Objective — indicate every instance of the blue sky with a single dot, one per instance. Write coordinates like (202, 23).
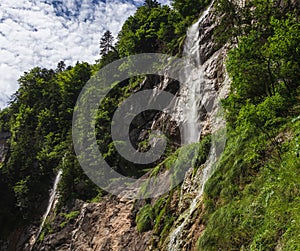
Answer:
(44, 32)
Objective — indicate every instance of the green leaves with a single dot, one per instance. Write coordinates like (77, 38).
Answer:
(284, 50)
(265, 63)
(252, 199)
(248, 69)
(150, 30)
(39, 120)
(145, 218)
(188, 8)
(21, 192)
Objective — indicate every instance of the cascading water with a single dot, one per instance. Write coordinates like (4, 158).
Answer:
(192, 130)
(51, 203)
(194, 81)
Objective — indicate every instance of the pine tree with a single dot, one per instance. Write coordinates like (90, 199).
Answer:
(151, 3)
(106, 43)
(61, 66)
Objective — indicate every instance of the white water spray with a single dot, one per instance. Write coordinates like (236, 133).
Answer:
(192, 129)
(194, 81)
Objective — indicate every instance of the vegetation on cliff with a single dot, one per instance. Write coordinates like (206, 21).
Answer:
(252, 199)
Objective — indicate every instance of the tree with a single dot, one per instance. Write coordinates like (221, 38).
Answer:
(61, 66)
(284, 51)
(189, 7)
(151, 3)
(106, 43)
(149, 30)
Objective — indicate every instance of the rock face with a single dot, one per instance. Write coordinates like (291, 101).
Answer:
(188, 226)
(110, 224)
(107, 225)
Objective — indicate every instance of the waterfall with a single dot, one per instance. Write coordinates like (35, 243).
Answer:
(51, 204)
(175, 236)
(195, 85)
(194, 82)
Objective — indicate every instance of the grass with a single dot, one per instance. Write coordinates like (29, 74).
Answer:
(252, 199)
(68, 217)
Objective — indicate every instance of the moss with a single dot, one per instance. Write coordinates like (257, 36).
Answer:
(156, 216)
(47, 229)
(144, 218)
(68, 217)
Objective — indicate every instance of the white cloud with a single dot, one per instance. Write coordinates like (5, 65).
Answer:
(41, 33)
(33, 34)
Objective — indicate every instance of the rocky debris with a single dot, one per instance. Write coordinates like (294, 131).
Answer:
(189, 188)
(107, 225)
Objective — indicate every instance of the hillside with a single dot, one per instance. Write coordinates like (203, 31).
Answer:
(224, 93)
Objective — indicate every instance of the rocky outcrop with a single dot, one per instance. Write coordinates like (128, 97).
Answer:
(107, 225)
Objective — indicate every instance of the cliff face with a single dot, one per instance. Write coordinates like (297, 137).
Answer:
(110, 224)
(107, 225)
(4, 136)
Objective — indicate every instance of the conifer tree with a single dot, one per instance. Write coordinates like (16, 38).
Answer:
(151, 3)
(106, 43)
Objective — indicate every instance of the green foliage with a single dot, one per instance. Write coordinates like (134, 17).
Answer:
(39, 120)
(152, 29)
(47, 229)
(144, 218)
(258, 214)
(237, 19)
(228, 17)
(204, 148)
(106, 43)
(151, 3)
(264, 64)
(156, 28)
(190, 8)
(68, 217)
(4, 120)
(249, 69)
(284, 50)
(74, 182)
(252, 199)
(157, 216)
(164, 216)
(40, 115)
(21, 193)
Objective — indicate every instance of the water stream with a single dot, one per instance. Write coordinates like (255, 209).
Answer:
(194, 82)
(51, 204)
(192, 130)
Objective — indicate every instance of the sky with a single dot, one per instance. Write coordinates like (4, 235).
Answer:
(44, 32)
